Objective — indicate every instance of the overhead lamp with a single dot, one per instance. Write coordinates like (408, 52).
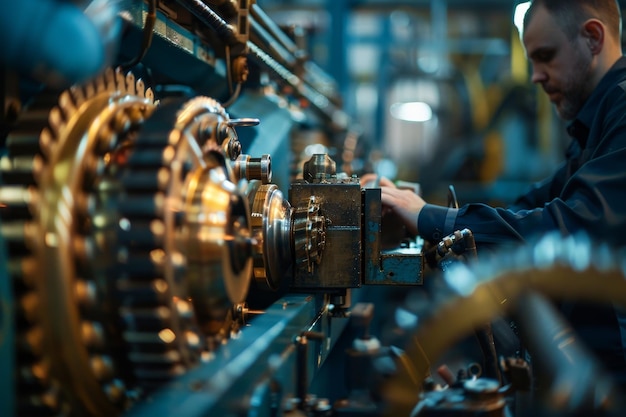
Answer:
(414, 111)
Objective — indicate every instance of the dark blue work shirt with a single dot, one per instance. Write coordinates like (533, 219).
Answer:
(586, 193)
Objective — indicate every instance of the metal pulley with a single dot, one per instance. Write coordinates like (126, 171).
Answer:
(271, 220)
(249, 168)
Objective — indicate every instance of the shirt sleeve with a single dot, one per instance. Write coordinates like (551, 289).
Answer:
(592, 199)
(540, 192)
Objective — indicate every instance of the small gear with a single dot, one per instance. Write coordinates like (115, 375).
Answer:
(309, 234)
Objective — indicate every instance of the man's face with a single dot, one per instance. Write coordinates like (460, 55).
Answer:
(562, 66)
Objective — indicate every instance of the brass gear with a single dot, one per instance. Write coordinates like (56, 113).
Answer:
(129, 247)
(184, 230)
(213, 129)
(50, 182)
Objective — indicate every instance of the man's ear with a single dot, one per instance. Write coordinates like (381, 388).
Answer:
(593, 31)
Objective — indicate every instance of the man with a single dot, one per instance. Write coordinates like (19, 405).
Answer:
(574, 47)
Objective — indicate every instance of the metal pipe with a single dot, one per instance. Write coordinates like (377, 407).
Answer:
(273, 29)
(289, 53)
(260, 36)
(318, 100)
(210, 18)
(223, 29)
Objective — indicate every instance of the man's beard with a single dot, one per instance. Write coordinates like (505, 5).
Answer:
(576, 89)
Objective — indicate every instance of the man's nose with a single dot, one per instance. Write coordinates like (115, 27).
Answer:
(538, 76)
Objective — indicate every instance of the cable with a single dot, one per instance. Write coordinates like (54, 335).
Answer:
(148, 31)
(210, 18)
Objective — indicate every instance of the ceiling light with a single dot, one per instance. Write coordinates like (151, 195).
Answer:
(416, 111)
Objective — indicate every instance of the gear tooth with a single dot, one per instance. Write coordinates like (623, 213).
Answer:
(35, 373)
(130, 83)
(90, 89)
(38, 168)
(29, 307)
(109, 79)
(100, 84)
(102, 367)
(46, 142)
(55, 121)
(78, 93)
(66, 103)
(209, 104)
(141, 88)
(149, 94)
(86, 293)
(120, 79)
(50, 400)
(28, 271)
(93, 334)
(31, 341)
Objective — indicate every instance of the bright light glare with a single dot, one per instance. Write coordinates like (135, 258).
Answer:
(460, 278)
(416, 111)
(518, 16)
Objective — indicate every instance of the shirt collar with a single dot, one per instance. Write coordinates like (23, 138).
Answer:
(579, 127)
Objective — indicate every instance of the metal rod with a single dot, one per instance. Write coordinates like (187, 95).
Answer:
(210, 18)
(273, 29)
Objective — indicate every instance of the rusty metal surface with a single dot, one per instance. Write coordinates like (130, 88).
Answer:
(340, 205)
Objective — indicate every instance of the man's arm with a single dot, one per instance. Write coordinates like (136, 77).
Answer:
(540, 192)
(593, 199)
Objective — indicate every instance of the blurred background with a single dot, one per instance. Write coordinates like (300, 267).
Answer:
(439, 89)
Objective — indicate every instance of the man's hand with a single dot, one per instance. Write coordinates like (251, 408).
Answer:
(405, 203)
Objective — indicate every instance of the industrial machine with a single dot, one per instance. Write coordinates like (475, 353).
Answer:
(183, 234)
(143, 246)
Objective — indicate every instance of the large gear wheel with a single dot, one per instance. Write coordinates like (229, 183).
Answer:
(184, 241)
(66, 350)
(129, 244)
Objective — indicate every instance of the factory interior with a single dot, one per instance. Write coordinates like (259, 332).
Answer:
(184, 231)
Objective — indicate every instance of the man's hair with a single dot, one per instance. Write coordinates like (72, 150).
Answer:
(570, 14)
